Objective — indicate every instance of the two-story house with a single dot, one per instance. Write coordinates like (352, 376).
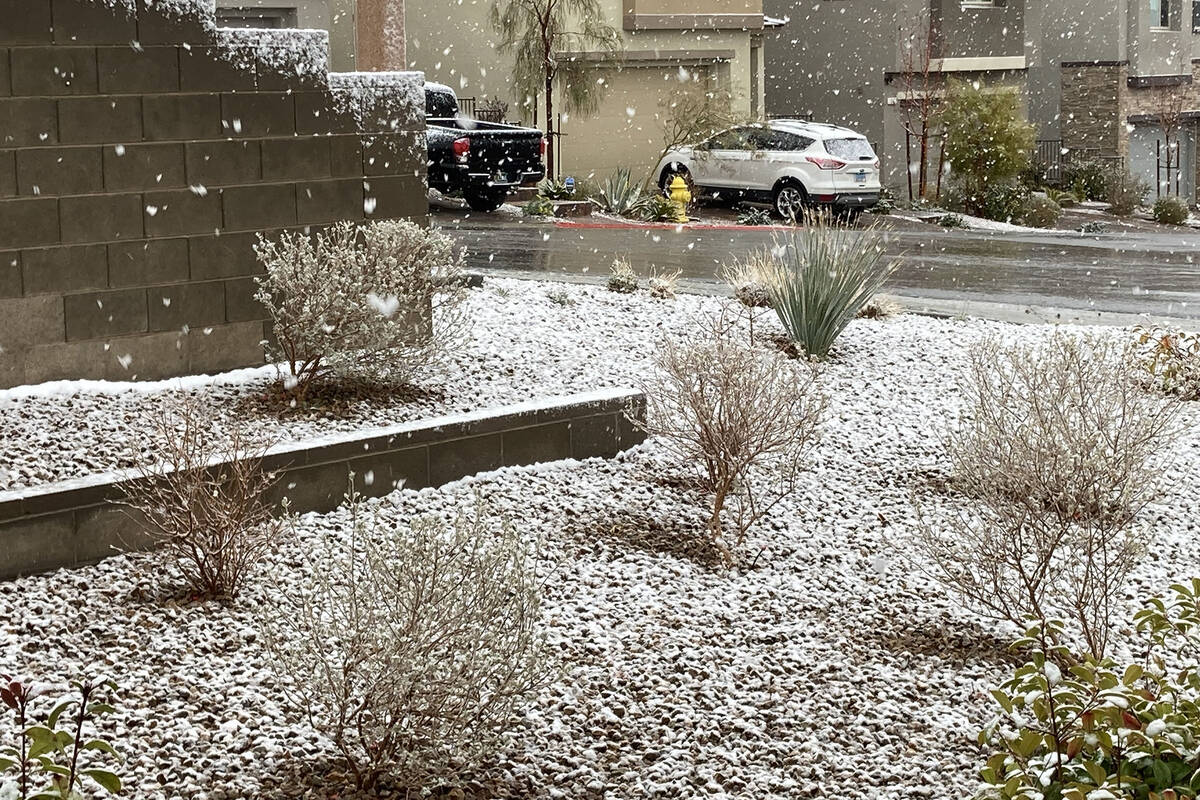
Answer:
(1099, 77)
(670, 47)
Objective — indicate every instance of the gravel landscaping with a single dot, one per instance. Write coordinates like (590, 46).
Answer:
(817, 667)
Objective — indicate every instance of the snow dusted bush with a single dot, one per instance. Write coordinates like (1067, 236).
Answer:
(1172, 361)
(1171, 210)
(1088, 728)
(204, 498)
(818, 281)
(622, 279)
(55, 751)
(662, 284)
(1058, 450)
(879, 308)
(1124, 192)
(746, 280)
(734, 410)
(380, 302)
(414, 648)
(1041, 212)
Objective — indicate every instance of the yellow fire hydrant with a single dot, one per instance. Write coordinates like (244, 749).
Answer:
(680, 196)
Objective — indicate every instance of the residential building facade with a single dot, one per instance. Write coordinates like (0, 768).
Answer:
(1098, 77)
(670, 47)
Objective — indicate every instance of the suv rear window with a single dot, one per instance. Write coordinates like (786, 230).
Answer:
(850, 149)
(440, 105)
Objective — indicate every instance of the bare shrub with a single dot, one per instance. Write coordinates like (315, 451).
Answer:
(381, 302)
(879, 307)
(662, 284)
(733, 410)
(622, 279)
(204, 497)
(745, 278)
(1058, 450)
(414, 649)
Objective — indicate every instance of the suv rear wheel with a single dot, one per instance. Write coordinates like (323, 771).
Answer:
(790, 200)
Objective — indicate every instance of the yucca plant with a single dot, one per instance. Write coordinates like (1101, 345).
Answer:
(619, 194)
(818, 280)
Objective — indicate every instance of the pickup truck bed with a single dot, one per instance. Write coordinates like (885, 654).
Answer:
(485, 161)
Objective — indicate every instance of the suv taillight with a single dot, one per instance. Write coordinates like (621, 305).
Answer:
(825, 162)
(462, 149)
(876, 164)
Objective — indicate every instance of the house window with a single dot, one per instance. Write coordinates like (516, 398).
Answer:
(256, 17)
(1195, 16)
(1160, 13)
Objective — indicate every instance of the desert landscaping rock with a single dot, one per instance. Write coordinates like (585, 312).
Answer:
(821, 665)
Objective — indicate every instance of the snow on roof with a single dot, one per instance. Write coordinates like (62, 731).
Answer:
(816, 128)
(775, 22)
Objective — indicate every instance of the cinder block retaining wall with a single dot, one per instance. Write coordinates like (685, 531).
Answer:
(76, 522)
(140, 153)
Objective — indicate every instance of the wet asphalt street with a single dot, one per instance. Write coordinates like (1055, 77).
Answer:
(1156, 275)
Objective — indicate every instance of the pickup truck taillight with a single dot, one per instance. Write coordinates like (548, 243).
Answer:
(543, 147)
(462, 149)
(826, 163)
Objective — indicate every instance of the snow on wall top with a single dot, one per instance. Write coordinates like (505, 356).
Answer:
(393, 96)
(298, 51)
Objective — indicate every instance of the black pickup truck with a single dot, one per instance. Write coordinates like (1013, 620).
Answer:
(484, 161)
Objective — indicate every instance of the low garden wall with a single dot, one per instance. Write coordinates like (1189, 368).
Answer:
(79, 521)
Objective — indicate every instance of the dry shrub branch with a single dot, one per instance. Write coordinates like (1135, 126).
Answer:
(205, 497)
(734, 410)
(1058, 450)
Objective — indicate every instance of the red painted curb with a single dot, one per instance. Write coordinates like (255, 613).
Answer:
(689, 226)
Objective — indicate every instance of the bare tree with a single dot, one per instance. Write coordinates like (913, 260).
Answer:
(691, 117)
(1058, 450)
(734, 410)
(920, 80)
(205, 497)
(1169, 102)
(550, 40)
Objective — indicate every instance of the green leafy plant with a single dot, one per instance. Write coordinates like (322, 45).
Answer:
(1003, 201)
(1063, 198)
(57, 753)
(753, 215)
(622, 279)
(987, 139)
(1041, 212)
(656, 208)
(554, 190)
(538, 207)
(1124, 192)
(1172, 361)
(1083, 728)
(952, 221)
(886, 204)
(817, 282)
(1171, 210)
(1088, 179)
(1092, 227)
(619, 194)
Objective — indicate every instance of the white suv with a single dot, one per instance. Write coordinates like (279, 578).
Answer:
(790, 163)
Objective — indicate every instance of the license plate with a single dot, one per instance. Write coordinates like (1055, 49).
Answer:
(860, 177)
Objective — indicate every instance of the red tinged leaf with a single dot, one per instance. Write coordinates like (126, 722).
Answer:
(1130, 721)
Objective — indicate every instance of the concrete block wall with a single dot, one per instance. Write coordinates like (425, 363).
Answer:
(141, 152)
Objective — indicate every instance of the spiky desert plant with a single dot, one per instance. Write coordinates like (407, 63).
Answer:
(819, 279)
(619, 194)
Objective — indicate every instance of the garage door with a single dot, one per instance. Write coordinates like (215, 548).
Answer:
(627, 129)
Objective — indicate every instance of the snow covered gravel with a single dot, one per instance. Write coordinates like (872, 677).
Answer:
(817, 669)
